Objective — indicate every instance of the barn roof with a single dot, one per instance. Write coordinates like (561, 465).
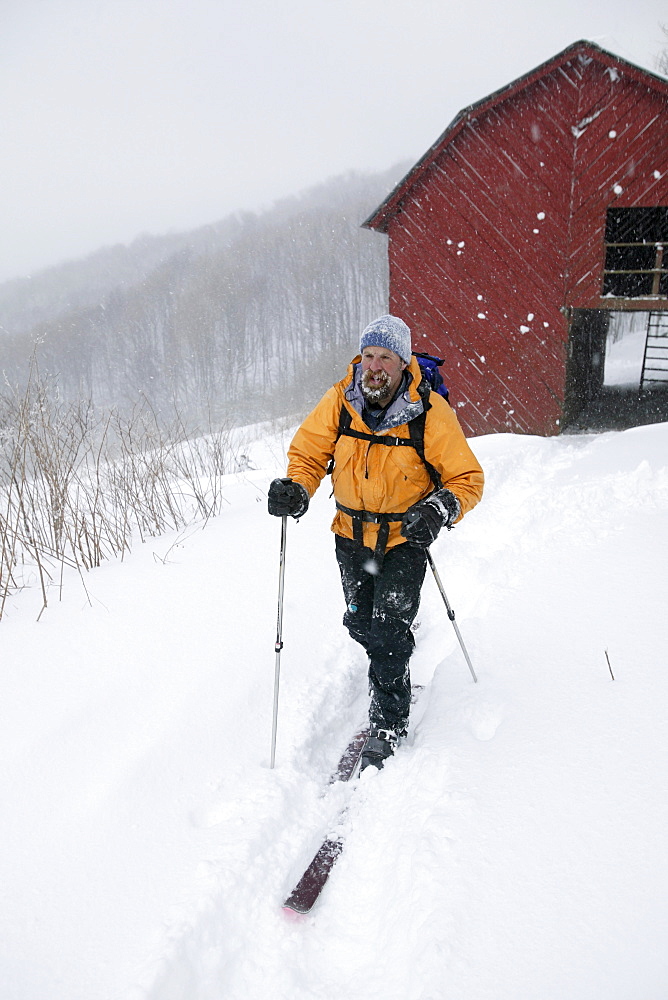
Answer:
(381, 217)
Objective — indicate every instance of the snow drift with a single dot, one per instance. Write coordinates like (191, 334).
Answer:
(514, 849)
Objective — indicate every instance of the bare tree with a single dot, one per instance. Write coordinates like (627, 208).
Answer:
(249, 319)
(662, 58)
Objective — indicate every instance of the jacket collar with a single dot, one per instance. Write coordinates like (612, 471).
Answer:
(404, 407)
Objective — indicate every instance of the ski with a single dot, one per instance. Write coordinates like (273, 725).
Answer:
(305, 894)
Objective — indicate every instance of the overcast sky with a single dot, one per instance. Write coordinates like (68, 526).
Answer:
(119, 117)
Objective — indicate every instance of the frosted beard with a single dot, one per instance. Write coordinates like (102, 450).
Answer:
(376, 387)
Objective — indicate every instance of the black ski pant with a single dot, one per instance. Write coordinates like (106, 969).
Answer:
(380, 608)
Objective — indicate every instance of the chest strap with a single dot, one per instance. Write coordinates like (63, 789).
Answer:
(387, 439)
(415, 440)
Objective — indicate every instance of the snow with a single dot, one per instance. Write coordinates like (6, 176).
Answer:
(625, 348)
(514, 849)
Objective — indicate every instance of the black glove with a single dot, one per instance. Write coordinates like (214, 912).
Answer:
(422, 522)
(287, 497)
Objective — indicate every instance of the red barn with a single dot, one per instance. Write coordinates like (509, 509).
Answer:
(527, 248)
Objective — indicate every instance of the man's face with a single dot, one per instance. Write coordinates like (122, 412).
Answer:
(381, 373)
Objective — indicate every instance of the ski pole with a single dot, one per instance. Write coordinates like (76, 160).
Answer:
(279, 636)
(451, 614)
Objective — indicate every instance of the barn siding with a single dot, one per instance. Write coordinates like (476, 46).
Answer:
(629, 160)
(470, 259)
(487, 189)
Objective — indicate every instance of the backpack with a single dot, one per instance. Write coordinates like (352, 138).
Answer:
(429, 366)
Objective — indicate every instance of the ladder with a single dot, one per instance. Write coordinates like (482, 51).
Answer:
(655, 359)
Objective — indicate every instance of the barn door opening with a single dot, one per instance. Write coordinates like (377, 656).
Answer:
(617, 374)
(625, 347)
(636, 350)
(586, 358)
(655, 361)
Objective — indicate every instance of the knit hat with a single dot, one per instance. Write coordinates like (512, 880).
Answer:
(390, 332)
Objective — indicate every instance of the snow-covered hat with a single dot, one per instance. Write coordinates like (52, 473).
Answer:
(390, 332)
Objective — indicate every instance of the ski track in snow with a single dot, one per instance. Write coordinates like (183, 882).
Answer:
(512, 850)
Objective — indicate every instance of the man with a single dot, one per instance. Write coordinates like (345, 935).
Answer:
(391, 500)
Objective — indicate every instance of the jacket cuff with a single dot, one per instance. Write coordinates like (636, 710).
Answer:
(448, 504)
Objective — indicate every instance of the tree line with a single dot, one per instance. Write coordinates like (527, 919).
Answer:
(248, 319)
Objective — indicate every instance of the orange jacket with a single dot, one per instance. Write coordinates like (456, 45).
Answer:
(382, 479)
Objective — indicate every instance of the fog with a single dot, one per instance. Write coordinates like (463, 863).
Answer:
(121, 117)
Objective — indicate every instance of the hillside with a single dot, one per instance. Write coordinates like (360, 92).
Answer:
(43, 298)
(241, 320)
(513, 850)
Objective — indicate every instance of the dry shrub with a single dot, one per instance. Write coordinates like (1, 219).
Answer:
(77, 485)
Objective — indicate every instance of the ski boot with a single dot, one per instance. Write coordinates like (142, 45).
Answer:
(380, 745)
